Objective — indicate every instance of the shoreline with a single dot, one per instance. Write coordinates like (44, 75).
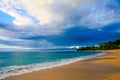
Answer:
(81, 70)
(20, 70)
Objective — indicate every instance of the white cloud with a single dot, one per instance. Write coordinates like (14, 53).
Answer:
(45, 44)
(46, 12)
(73, 47)
(22, 21)
(12, 47)
(14, 38)
(39, 9)
(8, 33)
(13, 9)
(53, 17)
(46, 17)
(100, 18)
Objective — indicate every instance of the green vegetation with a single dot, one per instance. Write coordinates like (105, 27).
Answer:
(105, 46)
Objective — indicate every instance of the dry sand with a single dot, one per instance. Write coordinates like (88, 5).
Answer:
(106, 67)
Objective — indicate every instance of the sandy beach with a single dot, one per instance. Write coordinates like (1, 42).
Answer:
(105, 67)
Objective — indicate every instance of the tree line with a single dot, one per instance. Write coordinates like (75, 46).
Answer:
(105, 46)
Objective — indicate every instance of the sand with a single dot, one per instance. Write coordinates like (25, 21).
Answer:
(106, 67)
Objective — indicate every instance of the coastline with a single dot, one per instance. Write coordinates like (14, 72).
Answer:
(97, 68)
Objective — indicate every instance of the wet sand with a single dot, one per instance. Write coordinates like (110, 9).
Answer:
(105, 67)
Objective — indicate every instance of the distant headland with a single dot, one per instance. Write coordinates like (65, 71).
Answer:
(104, 46)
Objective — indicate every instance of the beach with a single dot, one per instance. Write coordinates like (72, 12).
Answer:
(105, 67)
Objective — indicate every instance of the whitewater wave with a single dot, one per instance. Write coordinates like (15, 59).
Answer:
(18, 70)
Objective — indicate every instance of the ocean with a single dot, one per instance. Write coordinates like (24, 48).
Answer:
(16, 63)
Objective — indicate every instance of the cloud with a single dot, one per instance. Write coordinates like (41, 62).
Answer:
(73, 47)
(46, 18)
(52, 17)
(2, 46)
(100, 19)
(15, 39)
(101, 16)
(45, 43)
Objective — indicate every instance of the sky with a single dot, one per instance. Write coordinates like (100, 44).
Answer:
(51, 24)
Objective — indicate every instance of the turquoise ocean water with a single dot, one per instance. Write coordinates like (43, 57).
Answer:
(16, 63)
